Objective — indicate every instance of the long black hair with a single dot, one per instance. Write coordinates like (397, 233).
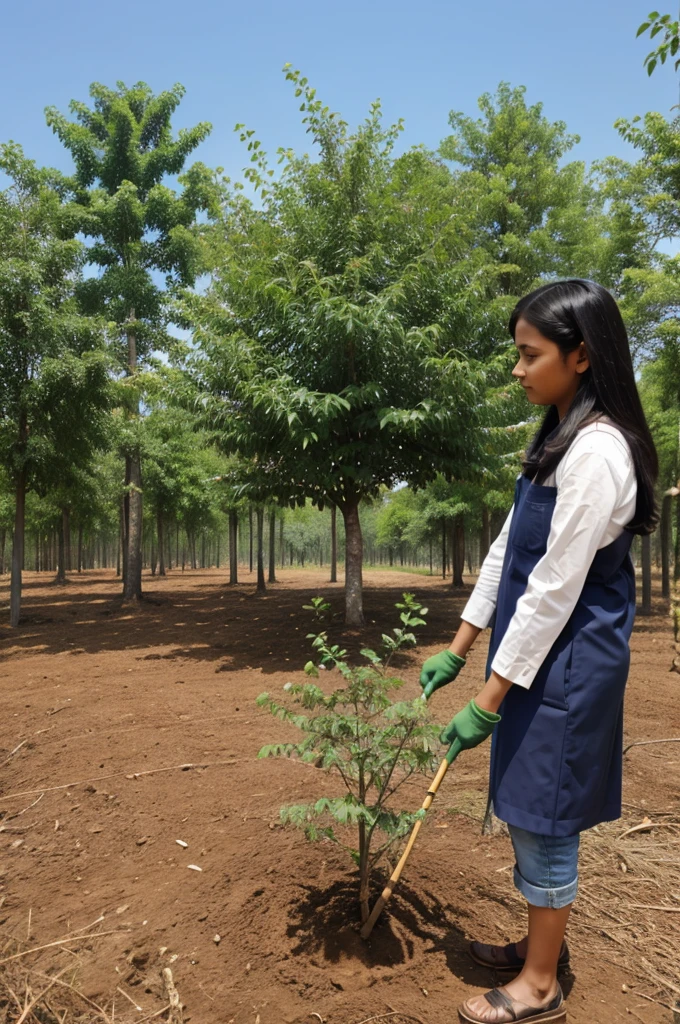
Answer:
(570, 312)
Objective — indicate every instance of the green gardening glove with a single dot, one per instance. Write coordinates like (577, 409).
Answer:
(439, 670)
(470, 726)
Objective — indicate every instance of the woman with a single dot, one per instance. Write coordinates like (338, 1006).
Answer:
(558, 589)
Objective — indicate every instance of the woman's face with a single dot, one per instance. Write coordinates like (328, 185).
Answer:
(547, 378)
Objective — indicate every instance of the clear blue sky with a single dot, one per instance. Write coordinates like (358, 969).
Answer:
(580, 59)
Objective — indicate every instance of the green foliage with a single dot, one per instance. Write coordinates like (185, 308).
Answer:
(358, 734)
(54, 387)
(669, 44)
(123, 148)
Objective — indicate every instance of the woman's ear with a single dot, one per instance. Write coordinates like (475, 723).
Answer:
(582, 362)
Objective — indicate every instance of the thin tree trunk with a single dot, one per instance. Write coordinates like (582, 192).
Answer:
(67, 540)
(443, 549)
(161, 543)
(17, 550)
(261, 586)
(272, 547)
(80, 548)
(282, 548)
(132, 585)
(250, 536)
(233, 546)
(334, 545)
(354, 612)
(666, 530)
(646, 560)
(61, 545)
(3, 536)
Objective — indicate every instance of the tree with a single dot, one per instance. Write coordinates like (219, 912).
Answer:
(123, 148)
(360, 735)
(54, 386)
(322, 357)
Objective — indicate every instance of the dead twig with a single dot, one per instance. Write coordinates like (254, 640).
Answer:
(8, 759)
(61, 942)
(647, 743)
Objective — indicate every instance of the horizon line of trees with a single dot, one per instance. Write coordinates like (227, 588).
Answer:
(351, 337)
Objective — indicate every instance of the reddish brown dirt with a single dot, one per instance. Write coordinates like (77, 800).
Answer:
(98, 694)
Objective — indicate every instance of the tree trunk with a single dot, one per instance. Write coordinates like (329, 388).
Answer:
(261, 586)
(666, 530)
(443, 549)
(132, 584)
(161, 543)
(458, 551)
(67, 540)
(676, 568)
(354, 612)
(80, 549)
(17, 550)
(272, 547)
(364, 877)
(250, 536)
(334, 545)
(3, 535)
(646, 560)
(233, 548)
(132, 580)
(282, 548)
(61, 545)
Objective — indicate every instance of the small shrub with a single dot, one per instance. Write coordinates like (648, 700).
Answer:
(357, 733)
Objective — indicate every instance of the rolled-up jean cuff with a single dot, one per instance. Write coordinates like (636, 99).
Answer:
(552, 898)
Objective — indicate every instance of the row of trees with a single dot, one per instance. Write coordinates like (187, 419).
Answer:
(351, 336)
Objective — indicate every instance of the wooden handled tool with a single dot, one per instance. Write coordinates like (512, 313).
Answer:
(453, 752)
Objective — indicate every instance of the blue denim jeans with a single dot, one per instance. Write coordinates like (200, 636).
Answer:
(546, 867)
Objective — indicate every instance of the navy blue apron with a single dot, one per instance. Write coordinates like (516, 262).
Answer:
(556, 754)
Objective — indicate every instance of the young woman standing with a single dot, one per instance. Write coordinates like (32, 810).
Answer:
(558, 590)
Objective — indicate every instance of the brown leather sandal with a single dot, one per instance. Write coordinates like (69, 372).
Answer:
(554, 1011)
(506, 958)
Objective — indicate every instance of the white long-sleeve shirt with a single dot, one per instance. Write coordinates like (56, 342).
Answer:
(596, 497)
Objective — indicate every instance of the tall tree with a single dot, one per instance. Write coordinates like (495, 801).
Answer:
(54, 386)
(322, 354)
(123, 148)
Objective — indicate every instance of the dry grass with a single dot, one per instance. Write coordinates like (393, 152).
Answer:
(39, 985)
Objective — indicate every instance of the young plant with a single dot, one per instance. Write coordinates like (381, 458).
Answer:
(357, 733)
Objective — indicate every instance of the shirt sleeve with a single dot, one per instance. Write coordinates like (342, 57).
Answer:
(586, 499)
(482, 602)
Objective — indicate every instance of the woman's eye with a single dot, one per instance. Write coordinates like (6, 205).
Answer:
(528, 356)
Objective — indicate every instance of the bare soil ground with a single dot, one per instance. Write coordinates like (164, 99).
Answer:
(101, 704)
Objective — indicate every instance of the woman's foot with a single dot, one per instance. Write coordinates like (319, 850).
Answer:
(510, 957)
(513, 1002)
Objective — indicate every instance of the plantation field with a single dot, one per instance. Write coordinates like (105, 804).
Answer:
(103, 709)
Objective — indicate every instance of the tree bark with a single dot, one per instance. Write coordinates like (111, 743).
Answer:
(458, 551)
(443, 549)
(3, 535)
(61, 546)
(666, 531)
(272, 547)
(132, 580)
(161, 543)
(250, 536)
(233, 548)
(17, 550)
(132, 584)
(646, 559)
(334, 545)
(354, 612)
(282, 548)
(261, 585)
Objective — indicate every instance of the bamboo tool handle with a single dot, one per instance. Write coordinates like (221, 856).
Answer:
(452, 753)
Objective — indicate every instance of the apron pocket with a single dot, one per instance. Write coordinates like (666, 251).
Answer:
(533, 527)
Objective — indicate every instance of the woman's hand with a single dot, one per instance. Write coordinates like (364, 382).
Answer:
(439, 670)
(470, 727)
